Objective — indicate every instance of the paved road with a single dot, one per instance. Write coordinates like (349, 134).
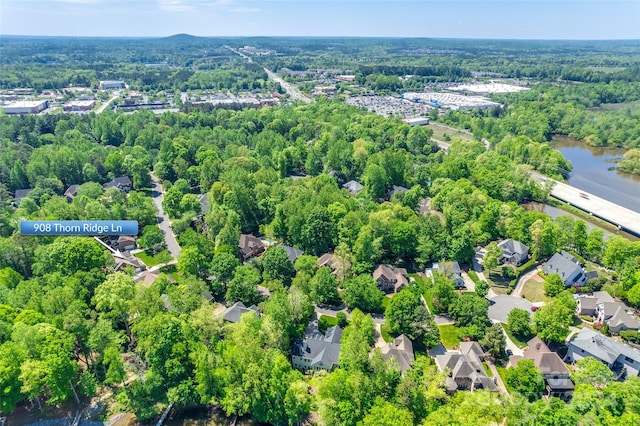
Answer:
(157, 192)
(293, 92)
(107, 103)
(622, 217)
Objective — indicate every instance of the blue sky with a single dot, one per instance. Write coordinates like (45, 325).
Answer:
(512, 19)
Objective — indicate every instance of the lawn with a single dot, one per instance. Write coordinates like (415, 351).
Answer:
(533, 291)
(385, 302)
(384, 332)
(502, 372)
(330, 321)
(163, 257)
(517, 340)
(473, 276)
(500, 290)
(449, 336)
(429, 299)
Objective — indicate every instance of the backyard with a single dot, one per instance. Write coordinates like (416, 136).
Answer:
(449, 336)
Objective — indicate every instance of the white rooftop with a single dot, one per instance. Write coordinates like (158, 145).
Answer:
(489, 88)
(26, 104)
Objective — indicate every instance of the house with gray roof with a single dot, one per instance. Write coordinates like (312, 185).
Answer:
(554, 370)
(19, 195)
(617, 316)
(402, 350)
(353, 187)
(622, 359)
(587, 304)
(449, 269)
(71, 192)
(316, 351)
(234, 313)
(395, 189)
(123, 183)
(567, 267)
(513, 252)
(204, 203)
(465, 368)
(292, 252)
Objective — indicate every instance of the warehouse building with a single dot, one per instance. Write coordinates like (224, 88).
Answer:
(112, 84)
(26, 107)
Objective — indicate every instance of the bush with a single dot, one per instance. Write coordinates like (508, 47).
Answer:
(323, 324)
(508, 272)
(342, 319)
(526, 267)
(631, 336)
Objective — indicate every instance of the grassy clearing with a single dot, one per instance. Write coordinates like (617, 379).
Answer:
(385, 302)
(440, 130)
(163, 257)
(449, 336)
(520, 341)
(473, 276)
(428, 297)
(533, 291)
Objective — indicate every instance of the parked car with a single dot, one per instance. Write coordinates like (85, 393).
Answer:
(509, 352)
(534, 308)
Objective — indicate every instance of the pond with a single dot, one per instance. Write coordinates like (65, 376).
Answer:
(593, 172)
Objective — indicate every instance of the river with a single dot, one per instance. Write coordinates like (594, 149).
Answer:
(591, 172)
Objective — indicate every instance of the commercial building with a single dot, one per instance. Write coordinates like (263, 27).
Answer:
(81, 105)
(112, 84)
(26, 107)
(416, 121)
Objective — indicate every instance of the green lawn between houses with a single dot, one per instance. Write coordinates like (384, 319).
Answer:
(449, 336)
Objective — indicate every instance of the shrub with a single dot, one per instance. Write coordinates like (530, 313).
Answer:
(342, 319)
(630, 336)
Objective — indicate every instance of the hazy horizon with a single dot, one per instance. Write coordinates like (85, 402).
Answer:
(590, 20)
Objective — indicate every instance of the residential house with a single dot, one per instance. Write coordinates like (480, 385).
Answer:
(330, 260)
(587, 305)
(389, 278)
(204, 203)
(395, 189)
(617, 316)
(402, 350)
(235, 312)
(292, 252)
(146, 278)
(555, 372)
(353, 187)
(19, 195)
(123, 260)
(465, 368)
(567, 267)
(449, 269)
(513, 252)
(250, 246)
(316, 351)
(123, 183)
(71, 192)
(126, 242)
(622, 359)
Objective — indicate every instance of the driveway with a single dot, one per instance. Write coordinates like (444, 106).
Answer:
(517, 291)
(502, 305)
(157, 192)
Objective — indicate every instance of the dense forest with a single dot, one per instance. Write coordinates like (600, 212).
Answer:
(70, 326)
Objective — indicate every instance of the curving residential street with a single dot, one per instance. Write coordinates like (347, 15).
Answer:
(157, 192)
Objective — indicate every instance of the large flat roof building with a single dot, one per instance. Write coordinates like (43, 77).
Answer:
(112, 84)
(26, 107)
(80, 105)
